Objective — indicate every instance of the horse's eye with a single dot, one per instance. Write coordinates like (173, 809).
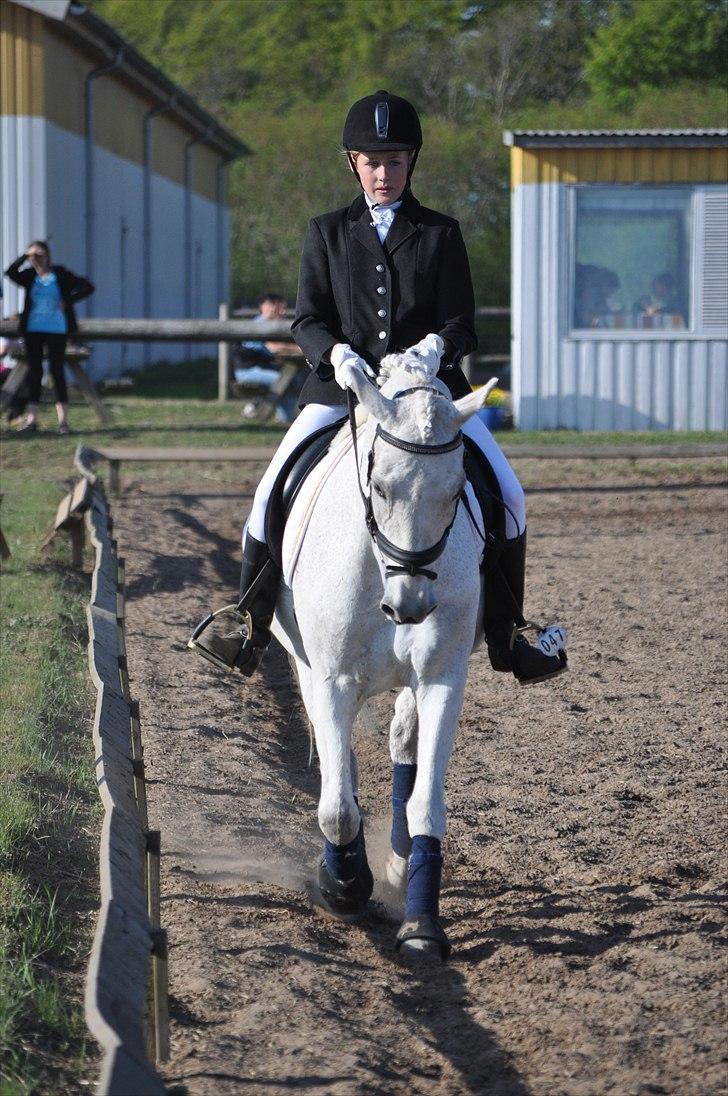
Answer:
(378, 490)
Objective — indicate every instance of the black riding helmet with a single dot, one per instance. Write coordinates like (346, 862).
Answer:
(382, 122)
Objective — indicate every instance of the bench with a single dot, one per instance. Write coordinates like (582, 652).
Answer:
(676, 451)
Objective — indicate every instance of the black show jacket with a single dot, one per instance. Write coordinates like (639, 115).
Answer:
(72, 287)
(382, 298)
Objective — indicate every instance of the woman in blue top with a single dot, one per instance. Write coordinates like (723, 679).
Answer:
(46, 321)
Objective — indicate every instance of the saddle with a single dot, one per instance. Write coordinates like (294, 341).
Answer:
(313, 450)
(484, 482)
(289, 482)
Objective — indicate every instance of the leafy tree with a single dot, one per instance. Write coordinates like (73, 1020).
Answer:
(656, 43)
(282, 74)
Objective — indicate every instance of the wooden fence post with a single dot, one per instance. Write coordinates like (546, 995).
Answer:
(223, 362)
(160, 986)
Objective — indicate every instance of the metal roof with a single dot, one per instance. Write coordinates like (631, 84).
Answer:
(616, 138)
(94, 35)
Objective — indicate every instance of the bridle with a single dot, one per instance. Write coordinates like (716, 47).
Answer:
(407, 562)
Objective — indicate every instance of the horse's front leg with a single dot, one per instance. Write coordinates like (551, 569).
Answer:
(345, 879)
(438, 709)
(403, 751)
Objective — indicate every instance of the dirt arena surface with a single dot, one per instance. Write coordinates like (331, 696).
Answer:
(584, 881)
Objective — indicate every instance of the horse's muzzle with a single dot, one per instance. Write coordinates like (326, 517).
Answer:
(405, 605)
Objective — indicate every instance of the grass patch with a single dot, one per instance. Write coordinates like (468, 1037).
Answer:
(194, 380)
(49, 809)
(611, 437)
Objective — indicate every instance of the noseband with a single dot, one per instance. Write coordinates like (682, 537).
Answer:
(406, 562)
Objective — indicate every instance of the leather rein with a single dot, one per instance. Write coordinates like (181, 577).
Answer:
(407, 562)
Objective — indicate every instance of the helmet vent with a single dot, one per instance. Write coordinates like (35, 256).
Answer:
(381, 120)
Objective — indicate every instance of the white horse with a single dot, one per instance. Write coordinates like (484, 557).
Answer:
(392, 603)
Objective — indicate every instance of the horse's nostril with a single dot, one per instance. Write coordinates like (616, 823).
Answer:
(387, 610)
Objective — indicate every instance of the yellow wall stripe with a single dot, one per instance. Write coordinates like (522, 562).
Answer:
(21, 61)
(619, 165)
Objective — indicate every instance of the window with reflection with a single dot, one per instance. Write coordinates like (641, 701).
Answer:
(632, 268)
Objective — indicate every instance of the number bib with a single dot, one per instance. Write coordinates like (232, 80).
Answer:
(552, 639)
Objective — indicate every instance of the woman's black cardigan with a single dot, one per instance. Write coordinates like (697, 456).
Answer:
(72, 288)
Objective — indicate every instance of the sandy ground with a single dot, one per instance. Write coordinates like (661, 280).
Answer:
(583, 887)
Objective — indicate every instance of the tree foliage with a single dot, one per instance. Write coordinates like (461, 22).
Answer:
(282, 74)
(656, 43)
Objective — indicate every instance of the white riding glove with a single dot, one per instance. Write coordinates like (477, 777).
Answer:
(347, 364)
(430, 351)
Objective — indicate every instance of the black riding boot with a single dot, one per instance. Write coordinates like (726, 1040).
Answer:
(508, 649)
(237, 649)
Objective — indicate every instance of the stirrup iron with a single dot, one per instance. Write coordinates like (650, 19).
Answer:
(240, 620)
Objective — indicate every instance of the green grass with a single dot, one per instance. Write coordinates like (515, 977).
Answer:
(611, 437)
(49, 810)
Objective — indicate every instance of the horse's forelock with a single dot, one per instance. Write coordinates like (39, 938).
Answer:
(428, 415)
(411, 367)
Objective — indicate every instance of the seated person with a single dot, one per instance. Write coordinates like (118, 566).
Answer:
(664, 296)
(271, 307)
(594, 286)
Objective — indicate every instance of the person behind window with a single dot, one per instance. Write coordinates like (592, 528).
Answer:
(593, 288)
(47, 319)
(664, 295)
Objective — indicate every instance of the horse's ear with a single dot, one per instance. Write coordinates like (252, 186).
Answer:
(469, 405)
(371, 398)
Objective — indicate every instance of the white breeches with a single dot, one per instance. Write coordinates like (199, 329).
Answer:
(316, 415)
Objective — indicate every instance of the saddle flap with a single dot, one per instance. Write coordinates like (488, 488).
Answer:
(484, 482)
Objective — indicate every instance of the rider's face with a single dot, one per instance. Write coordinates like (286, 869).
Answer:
(383, 174)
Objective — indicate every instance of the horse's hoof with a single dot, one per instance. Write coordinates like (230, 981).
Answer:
(423, 937)
(428, 951)
(346, 897)
(396, 871)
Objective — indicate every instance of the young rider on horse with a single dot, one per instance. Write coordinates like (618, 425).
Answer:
(378, 276)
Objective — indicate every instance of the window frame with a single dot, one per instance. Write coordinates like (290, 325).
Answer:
(695, 288)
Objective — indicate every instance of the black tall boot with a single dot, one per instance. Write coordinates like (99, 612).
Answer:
(259, 581)
(508, 649)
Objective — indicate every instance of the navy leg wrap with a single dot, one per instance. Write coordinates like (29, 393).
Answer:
(403, 781)
(424, 871)
(344, 862)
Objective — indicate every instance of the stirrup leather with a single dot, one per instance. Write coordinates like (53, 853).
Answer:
(213, 647)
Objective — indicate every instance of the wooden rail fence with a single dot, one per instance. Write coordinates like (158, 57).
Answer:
(116, 455)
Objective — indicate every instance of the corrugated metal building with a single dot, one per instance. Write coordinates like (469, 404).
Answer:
(620, 279)
(117, 167)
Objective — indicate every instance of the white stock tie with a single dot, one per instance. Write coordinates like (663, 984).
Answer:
(382, 216)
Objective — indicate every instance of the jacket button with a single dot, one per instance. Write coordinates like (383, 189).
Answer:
(382, 334)
(381, 290)
(380, 268)
(382, 313)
